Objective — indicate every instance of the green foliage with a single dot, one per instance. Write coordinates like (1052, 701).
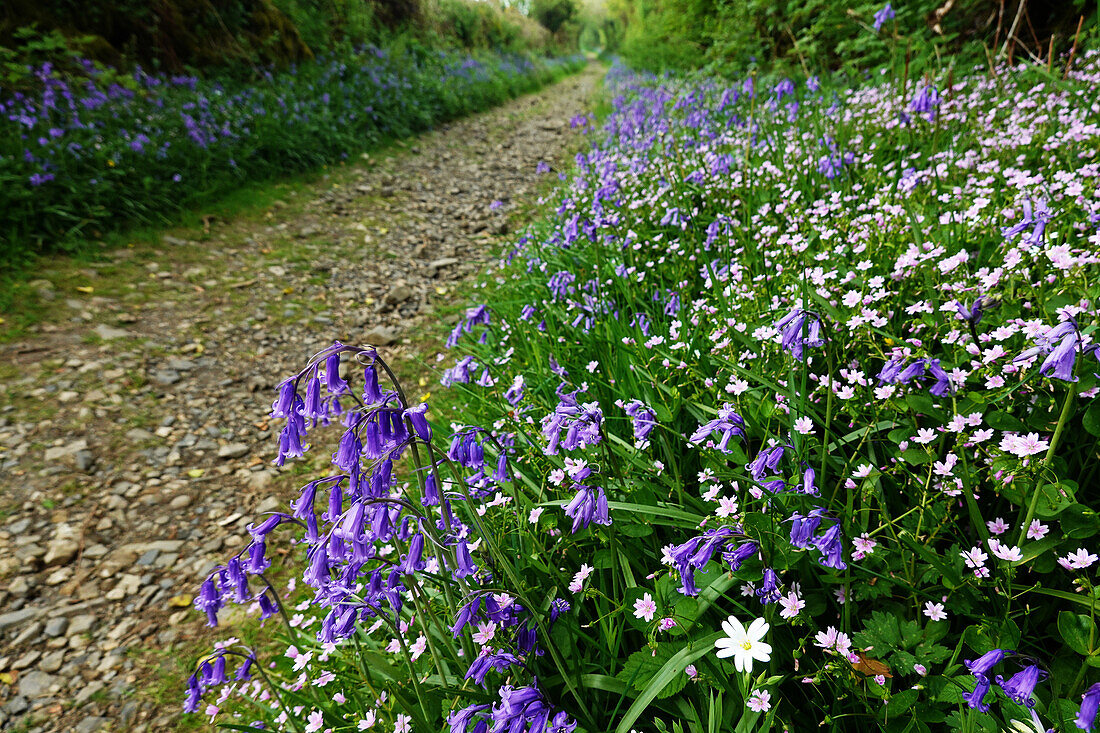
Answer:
(553, 14)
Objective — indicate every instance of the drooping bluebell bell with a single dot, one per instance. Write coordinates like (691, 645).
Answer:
(580, 423)
(768, 592)
(799, 329)
(738, 555)
(209, 601)
(976, 698)
(419, 422)
(1090, 704)
(884, 14)
(728, 424)
(803, 527)
(831, 547)
(466, 564)
(588, 505)
(926, 101)
(489, 661)
(643, 418)
(981, 666)
(1059, 362)
(1021, 685)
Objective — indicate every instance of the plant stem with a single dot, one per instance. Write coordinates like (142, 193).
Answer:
(1067, 409)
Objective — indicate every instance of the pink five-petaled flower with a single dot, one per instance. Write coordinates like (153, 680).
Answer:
(1037, 530)
(934, 611)
(1005, 552)
(998, 526)
(315, 720)
(1023, 446)
(744, 644)
(645, 608)
(791, 604)
(1078, 560)
(759, 701)
(803, 426)
(403, 724)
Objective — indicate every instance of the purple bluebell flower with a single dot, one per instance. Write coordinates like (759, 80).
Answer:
(728, 424)
(644, 419)
(976, 699)
(925, 101)
(799, 329)
(768, 592)
(558, 607)
(883, 15)
(1021, 685)
(803, 527)
(587, 506)
(737, 556)
(209, 601)
(981, 666)
(420, 422)
(831, 547)
(466, 564)
(1059, 363)
(1090, 703)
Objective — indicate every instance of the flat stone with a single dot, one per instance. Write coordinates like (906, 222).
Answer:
(52, 661)
(56, 626)
(381, 336)
(81, 624)
(166, 377)
(174, 241)
(138, 434)
(91, 724)
(180, 364)
(442, 262)
(109, 333)
(233, 450)
(36, 684)
(180, 502)
(61, 452)
(27, 659)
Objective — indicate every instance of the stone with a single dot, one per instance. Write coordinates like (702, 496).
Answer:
(84, 461)
(174, 241)
(442, 262)
(398, 295)
(56, 626)
(260, 480)
(63, 452)
(91, 724)
(35, 684)
(63, 547)
(27, 659)
(52, 661)
(165, 377)
(109, 333)
(180, 502)
(138, 434)
(81, 624)
(19, 587)
(233, 450)
(381, 336)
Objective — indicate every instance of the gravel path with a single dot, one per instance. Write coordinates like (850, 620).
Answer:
(134, 441)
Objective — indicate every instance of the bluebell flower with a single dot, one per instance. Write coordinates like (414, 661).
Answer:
(768, 592)
(1021, 686)
(466, 564)
(976, 699)
(420, 422)
(981, 666)
(799, 329)
(209, 601)
(1090, 703)
(803, 527)
(925, 101)
(831, 547)
(736, 557)
(728, 424)
(883, 15)
(588, 505)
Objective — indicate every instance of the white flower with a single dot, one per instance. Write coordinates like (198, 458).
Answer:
(744, 645)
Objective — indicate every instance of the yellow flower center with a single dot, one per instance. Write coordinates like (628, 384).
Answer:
(746, 644)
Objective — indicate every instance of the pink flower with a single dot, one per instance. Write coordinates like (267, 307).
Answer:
(1037, 530)
(315, 720)
(759, 701)
(666, 623)
(1078, 560)
(578, 580)
(803, 426)
(791, 604)
(934, 611)
(998, 526)
(645, 608)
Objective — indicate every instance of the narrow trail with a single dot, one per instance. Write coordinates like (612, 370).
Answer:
(134, 440)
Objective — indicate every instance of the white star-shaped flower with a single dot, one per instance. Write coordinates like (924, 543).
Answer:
(744, 645)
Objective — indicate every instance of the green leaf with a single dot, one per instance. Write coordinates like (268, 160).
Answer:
(1091, 419)
(673, 667)
(902, 703)
(1078, 631)
(1079, 521)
